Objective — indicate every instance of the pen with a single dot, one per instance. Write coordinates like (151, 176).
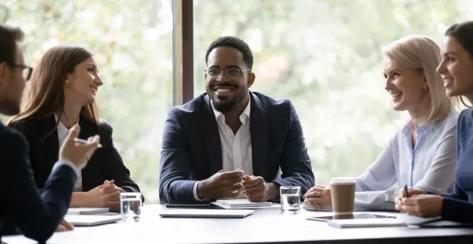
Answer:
(82, 141)
(405, 193)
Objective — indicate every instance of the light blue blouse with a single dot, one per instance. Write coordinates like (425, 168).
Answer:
(430, 166)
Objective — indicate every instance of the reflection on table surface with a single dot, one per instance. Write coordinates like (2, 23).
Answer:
(265, 225)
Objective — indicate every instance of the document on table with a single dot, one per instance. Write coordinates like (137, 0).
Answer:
(360, 219)
(414, 220)
(85, 211)
(244, 204)
(205, 213)
(92, 220)
(356, 223)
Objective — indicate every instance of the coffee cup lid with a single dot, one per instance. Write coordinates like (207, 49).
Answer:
(342, 180)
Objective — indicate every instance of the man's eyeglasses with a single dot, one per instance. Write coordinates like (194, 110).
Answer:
(230, 72)
(26, 71)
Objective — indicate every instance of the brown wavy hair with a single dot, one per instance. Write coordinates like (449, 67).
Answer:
(46, 95)
(463, 34)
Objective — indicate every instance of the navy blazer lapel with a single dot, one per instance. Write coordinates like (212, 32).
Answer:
(87, 128)
(259, 138)
(212, 137)
(50, 141)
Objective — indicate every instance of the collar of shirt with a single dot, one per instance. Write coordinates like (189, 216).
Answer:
(421, 130)
(62, 131)
(236, 146)
(244, 116)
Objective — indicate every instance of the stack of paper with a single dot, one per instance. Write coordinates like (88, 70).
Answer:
(91, 216)
(414, 220)
(353, 223)
(205, 213)
(85, 211)
(92, 220)
(243, 204)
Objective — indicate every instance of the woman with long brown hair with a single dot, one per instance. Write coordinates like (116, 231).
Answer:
(62, 94)
(456, 70)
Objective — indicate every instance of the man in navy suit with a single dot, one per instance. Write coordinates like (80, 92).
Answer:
(230, 142)
(36, 214)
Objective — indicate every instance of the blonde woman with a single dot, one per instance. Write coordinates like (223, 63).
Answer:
(420, 155)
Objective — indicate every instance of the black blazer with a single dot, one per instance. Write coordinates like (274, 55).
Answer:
(36, 214)
(105, 163)
(191, 148)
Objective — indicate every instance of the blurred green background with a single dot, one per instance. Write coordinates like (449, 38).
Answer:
(324, 55)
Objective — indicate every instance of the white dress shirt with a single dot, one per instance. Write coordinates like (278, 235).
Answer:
(236, 147)
(430, 166)
(62, 132)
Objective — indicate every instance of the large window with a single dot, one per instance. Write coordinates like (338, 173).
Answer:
(326, 57)
(323, 55)
(132, 43)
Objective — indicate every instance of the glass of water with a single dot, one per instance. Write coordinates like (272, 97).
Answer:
(290, 199)
(130, 206)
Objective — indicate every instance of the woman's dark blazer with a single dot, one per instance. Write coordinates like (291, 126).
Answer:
(105, 163)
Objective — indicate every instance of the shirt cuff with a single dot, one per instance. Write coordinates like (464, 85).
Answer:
(196, 196)
(76, 169)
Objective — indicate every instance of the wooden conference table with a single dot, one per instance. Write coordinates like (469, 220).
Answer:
(265, 225)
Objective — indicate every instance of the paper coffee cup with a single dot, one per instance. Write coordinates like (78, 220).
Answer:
(342, 190)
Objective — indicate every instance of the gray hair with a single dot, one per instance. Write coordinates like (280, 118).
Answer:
(421, 52)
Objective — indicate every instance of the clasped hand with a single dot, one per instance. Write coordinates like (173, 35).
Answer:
(105, 195)
(231, 184)
(419, 204)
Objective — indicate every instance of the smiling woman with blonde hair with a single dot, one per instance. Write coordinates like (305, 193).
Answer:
(62, 94)
(421, 155)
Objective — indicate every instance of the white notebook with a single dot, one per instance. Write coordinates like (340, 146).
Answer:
(91, 220)
(205, 213)
(243, 204)
(78, 211)
(414, 220)
(356, 223)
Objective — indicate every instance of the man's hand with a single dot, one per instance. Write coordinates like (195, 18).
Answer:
(255, 188)
(64, 226)
(318, 197)
(222, 184)
(423, 205)
(78, 153)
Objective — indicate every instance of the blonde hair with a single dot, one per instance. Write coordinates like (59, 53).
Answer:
(421, 52)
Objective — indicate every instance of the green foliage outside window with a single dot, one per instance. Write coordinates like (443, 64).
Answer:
(326, 57)
(132, 44)
(323, 55)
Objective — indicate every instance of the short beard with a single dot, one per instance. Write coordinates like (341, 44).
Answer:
(224, 107)
(227, 106)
